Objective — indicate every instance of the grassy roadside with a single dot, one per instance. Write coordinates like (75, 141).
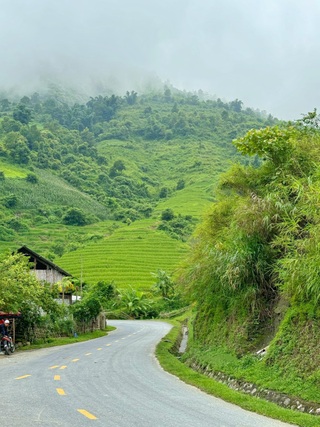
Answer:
(52, 342)
(173, 365)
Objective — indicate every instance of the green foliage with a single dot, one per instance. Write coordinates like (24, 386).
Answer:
(164, 285)
(6, 234)
(74, 216)
(19, 289)
(32, 178)
(135, 304)
(22, 114)
(103, 291)
(87, 309)
(181, 184)
(164, 192)
(177, 227)
(260, 239)
(9, 201)
(167, 215)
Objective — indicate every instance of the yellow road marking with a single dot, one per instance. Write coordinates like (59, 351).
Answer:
(23, 376)
(54, 367)
(63, 367)
(87, 414)
(88, 354)
(56, 377)
(123, 338)
(108, 345)
(75, 360)
(61, 391)
(99, 348)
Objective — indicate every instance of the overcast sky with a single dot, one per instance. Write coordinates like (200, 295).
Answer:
(264, 52)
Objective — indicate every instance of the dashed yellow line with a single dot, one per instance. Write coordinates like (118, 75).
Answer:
(87, 414)
(107, 345)
(88, 354)
(99, 348)
(56, 377)
(54, 367)
(22, 377)
(75, 360)
(63, 367)
(61, 391)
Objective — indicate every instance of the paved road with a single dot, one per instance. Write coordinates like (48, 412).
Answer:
(114, 381)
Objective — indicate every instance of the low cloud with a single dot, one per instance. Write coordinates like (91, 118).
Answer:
(262, 52)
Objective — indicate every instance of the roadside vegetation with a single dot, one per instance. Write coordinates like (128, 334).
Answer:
(169, 359)
(253, 269)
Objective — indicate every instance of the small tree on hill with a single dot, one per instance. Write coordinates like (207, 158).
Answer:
(167, 215)
(74, 216)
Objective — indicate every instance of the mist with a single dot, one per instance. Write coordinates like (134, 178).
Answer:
(262, 52)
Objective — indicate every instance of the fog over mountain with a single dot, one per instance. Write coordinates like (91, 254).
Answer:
(265, 53)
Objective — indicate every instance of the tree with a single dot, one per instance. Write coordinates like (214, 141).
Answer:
(136, 304)
(163, 284)
(87, 309)
(32, 178)
(17, 147)
(117, 168)
(236, 105)
(164, 191)
(131, 97)
(180, 184)
(22, 114)
(74, 216)
(19, 288)
(167, 215)
(9, 201)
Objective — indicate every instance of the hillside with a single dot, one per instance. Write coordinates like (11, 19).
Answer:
(75, 176)
(254, 268)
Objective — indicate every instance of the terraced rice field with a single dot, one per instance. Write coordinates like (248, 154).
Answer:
(127, 257)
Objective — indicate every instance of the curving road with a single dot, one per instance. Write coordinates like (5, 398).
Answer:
(114, 381)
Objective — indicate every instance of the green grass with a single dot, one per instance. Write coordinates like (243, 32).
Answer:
(50, 192)
(172, 364)
(126, 257)
(53, 342)
(12, 171)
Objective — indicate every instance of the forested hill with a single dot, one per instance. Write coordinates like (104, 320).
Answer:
(112, 158)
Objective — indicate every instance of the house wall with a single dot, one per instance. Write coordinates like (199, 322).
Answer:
(50, 276)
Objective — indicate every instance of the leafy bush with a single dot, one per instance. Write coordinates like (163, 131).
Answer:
(74, 216)
(9, 201)
(32, 178)
(6, 234)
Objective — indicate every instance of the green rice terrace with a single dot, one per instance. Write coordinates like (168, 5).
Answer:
(127, 257)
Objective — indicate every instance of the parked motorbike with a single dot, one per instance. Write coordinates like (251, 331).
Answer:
(6, 345)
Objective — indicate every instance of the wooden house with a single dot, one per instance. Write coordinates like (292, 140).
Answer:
(46, 271)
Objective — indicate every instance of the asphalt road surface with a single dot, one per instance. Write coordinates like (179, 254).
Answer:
(114, 381)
